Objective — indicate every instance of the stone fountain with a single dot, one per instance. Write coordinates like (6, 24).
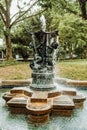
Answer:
(43, 64)
(43, 98)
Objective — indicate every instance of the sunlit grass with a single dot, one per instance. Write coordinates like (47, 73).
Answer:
(18, 71)
(74, 69)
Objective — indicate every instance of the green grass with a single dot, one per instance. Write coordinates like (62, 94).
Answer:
(72, 69)
(15, 70)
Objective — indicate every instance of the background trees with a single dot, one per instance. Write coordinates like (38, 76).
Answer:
(21, 36)
(64, 15)
(72, 28)
(23, 12)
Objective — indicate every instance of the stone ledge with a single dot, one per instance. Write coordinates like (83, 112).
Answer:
(14, 83)
(76, 83)
(17, 83)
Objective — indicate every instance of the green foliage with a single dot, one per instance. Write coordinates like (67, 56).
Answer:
(45, 3)
(79, 51)
(72, 31)
(23, 51)
(21, 39)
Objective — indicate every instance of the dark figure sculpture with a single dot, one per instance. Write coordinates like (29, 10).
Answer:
(44, 45)
(43, 57)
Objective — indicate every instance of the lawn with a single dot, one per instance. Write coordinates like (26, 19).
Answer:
(73, 69)
(15, 70)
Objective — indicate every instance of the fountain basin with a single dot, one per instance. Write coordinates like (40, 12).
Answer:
(63, 106)
(17, 105)
(70, 92)
(38, 105)
(78, 100)
(77, 120)
(39, 110)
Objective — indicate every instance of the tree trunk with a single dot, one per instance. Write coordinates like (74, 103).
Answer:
(70, 54)
(86, 51)
(8, 47)
(83, 8)
(8, 31)
(70, 50)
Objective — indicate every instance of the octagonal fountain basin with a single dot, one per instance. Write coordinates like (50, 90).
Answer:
(40, 105)
(10, 121)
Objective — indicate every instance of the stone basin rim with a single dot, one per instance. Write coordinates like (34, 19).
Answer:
(27, 82)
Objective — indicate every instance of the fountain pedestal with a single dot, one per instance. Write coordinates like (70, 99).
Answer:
(42, 81)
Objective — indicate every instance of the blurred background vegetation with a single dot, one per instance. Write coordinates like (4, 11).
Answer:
(66, 16)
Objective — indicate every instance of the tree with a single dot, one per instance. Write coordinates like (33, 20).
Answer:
(22, 37)
(24, 12)
(67, 6)
(72, 31)
(83, 8)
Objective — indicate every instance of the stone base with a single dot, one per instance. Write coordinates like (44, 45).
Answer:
(62, 112)
(18, 104)
(42, 80)
(7, 96)
(38, 119)
(79, 105)
(40, 104)
(18, 110)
